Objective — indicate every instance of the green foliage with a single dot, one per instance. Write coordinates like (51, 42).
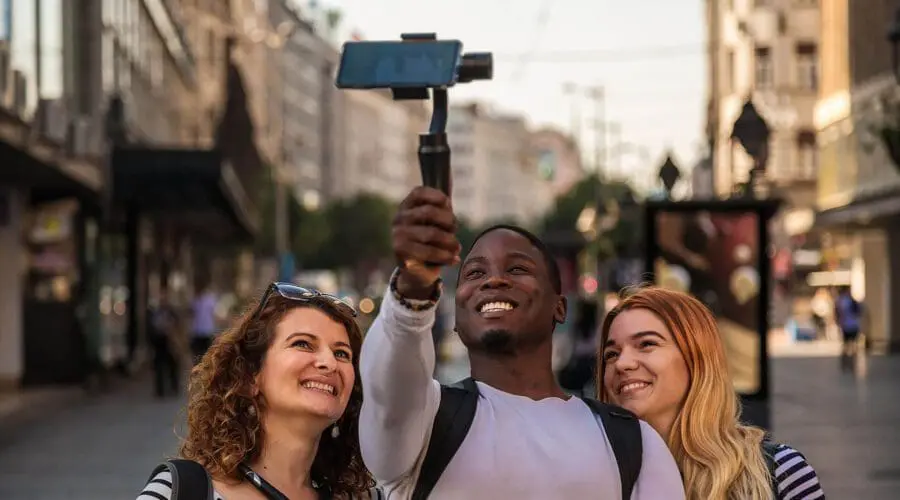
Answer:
(347, 233)
(592, 191)
(310, 234)
(569, 206)
(265, 201)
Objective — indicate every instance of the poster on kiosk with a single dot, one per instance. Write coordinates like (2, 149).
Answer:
(716, 251)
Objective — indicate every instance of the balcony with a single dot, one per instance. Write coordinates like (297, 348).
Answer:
(858, 181)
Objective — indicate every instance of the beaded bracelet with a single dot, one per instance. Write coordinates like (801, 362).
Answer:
(413, 304)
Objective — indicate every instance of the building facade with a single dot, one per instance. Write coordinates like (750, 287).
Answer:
(378, 145)
(51, 191)
(495, 168)
(558, 159)
(115, 173)
(859, 185)
(306, 65)
(767, 50)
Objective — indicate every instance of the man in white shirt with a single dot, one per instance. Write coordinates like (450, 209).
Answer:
(527, 438)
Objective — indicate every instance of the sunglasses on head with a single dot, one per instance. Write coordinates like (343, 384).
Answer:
(293, 292)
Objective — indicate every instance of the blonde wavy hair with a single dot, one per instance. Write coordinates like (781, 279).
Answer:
(719, 457)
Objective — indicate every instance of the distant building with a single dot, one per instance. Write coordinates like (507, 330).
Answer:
(495, 168)
(558, 159)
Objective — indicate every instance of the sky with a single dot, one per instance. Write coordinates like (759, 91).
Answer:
(647, 54)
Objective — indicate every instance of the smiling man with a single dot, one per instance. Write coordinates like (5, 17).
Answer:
(510, 431)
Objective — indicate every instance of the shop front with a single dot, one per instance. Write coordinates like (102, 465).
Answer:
(169, 203)
(862, 238)
(49, 209)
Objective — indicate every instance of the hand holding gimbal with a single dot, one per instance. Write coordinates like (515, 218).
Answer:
(412, 68)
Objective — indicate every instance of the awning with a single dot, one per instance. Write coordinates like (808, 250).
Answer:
(45, 169)
(196, 185)
(862, 213)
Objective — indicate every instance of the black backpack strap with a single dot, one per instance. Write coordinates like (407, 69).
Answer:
(623, 429)
(769, 449)
(451, 424)
(189, 480)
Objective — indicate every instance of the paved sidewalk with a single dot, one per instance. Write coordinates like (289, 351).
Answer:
(847, 425)
(98, 448)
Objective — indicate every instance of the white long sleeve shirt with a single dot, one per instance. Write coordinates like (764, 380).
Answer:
(516, 448)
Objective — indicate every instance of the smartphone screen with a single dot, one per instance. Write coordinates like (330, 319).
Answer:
(371, 65)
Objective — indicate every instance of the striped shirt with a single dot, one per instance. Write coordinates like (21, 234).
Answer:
(795, 478)
(160, 488)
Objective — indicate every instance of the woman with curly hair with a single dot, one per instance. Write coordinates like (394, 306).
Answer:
(661, 357)
(274, 405)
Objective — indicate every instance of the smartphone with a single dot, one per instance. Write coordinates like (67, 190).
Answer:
(390, 64)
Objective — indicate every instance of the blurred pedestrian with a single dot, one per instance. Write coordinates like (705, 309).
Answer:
(204, 327)
(162, 329)
(273, 407)
(509, 431)
(848, 314)
(579, 371)
(663, 359)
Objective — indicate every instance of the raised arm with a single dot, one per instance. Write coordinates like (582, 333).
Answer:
(398, 360)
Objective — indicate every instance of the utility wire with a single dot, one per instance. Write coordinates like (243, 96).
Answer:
(540, 25)
(608, 55)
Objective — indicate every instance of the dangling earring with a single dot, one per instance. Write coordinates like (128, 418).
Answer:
(251, 410)
(335, 431)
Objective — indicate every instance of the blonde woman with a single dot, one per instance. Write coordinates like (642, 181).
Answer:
(662, 358)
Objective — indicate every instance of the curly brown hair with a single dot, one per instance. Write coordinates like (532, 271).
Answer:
(222, 430)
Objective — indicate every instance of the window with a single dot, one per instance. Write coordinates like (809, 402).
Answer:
(157, 63)
(807, 154)
(729, 71)
(807, 66)
(106, 12)
(51, 50)
(5, 18)
(108, 69)
(23, 41)
(123, 69)
(764, 77)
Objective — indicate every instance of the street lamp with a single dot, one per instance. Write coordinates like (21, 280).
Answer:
(893, 36)
(669, 174)
(752, 132)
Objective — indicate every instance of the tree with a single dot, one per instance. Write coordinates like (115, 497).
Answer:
(354, 234)
(310, 234)
(264, 243)
(569, 206)
(593, 192)
(360, 229)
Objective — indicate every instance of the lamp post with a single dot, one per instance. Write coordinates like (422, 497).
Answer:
(752, 132)
(893, 36)
(669, 174)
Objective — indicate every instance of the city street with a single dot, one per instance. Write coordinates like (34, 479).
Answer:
(104, 448)
(100, 448)
(846, 426)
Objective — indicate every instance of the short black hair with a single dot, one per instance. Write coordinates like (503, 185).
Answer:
(549, 260)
